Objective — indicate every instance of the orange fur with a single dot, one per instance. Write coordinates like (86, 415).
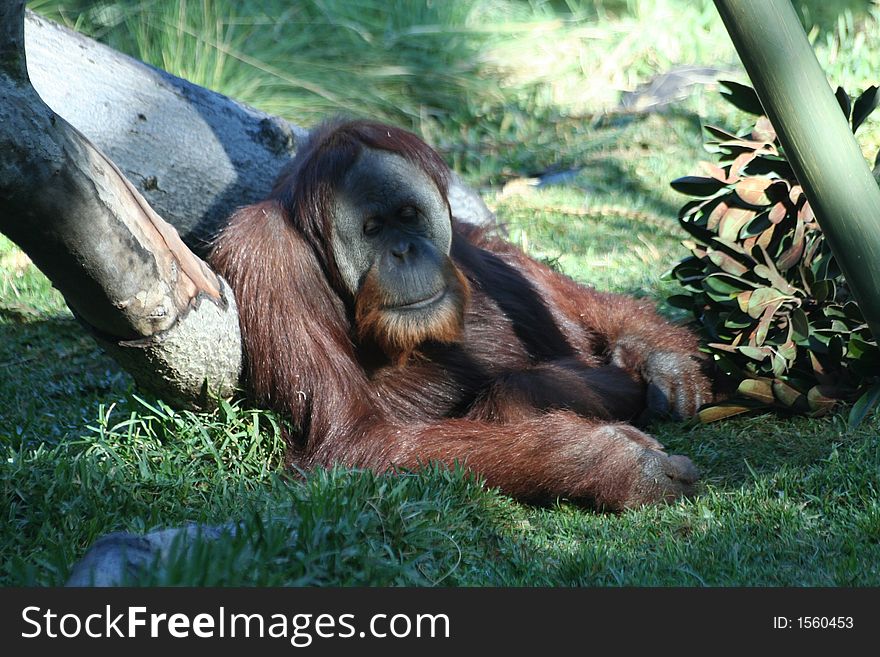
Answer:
(399, 333)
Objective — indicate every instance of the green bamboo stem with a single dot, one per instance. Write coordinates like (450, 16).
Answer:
(817, 139)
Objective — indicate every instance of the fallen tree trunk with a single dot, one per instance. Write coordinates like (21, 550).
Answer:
(193, 154)
(125, 273)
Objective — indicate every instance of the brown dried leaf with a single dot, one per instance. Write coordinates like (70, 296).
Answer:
(719, 133)
(769, 271)
(806, 215)
(755, 353)
(713, 171)
(726, 262)
(819, 401)
(751, 144)
(757, 389)
(732, 222)
(760, 333)
(738, 164)
(777, 213)
(764, 131)
(792, 255)
(765, 238)
(764, 298)
(753, 190)
(715, 216)
(721, 411)
(786, 394)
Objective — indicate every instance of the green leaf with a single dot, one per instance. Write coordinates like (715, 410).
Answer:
(788, 350)
(691, 208)
(835, 348)
(684, 301)
(857, 348)
(760, 224)
(800, 325)
(823, 291)
(731, 248)
(863, 406)
(227, 410)
(864, 105)
(724, 287)
(700, 233)
(764, 286)
(824, 266)
(737, 321)
(867, 366)
(762, 298)
(779, 365)
(817, 343)
(755, 353)
(852, 312)
(742, 97)
(763, 165)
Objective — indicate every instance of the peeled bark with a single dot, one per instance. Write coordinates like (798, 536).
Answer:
(124, 272)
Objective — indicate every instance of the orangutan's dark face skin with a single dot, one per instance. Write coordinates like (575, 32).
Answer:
(391, 239)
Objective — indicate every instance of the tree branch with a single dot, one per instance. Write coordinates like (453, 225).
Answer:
(123, 271)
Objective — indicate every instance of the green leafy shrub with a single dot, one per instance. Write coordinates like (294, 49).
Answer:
(761, 282)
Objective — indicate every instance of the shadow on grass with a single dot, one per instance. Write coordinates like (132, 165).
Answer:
(52, 374)
(735, 452)
(806, 517)
(789, 502)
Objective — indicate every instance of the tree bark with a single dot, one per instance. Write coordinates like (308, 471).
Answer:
(193, 154)
(125, 273)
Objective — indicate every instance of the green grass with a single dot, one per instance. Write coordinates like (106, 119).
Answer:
(785, 502)
(506, 90)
